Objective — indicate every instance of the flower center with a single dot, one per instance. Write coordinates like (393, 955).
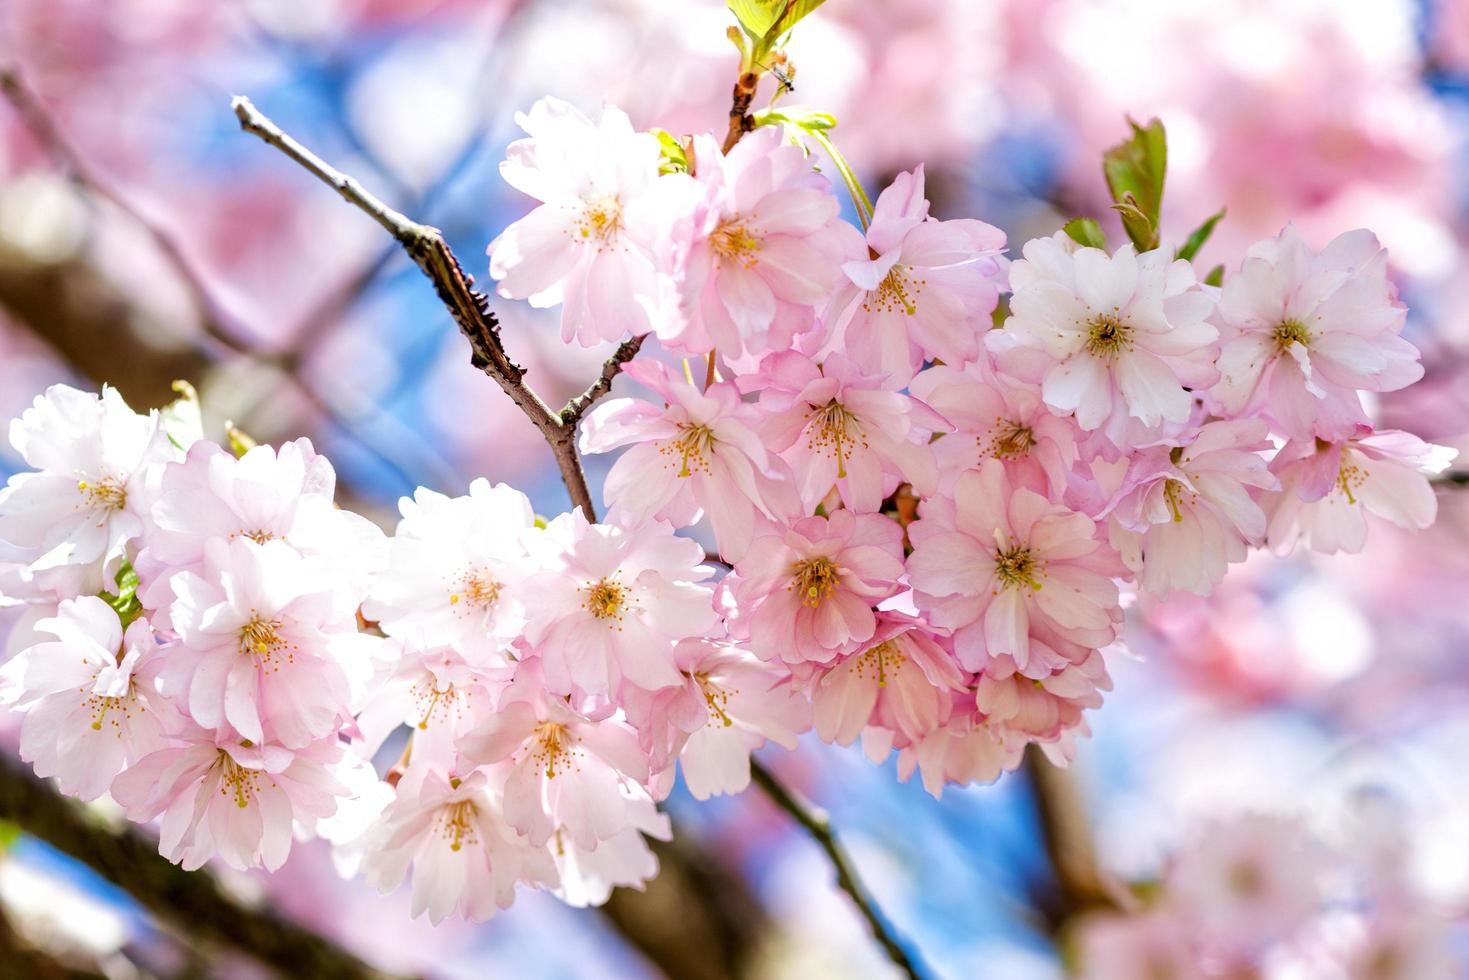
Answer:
(882, 661)
(1246, 879)
(691, 445)
(123, 706)
(429, 698)
(814, 579)
(1015, 566)
(262, 638)
(716, 699)
(1107, 336)
(478, 589)
(105, 494)
(1350, 477)
(606, 598)
(1010, 439)
(549, 747)
(237, 781)
(456, 823)
(1173, 494)
(601, 219)
(895, 294)
(834, 430)
(733, 242)
(1288, 332)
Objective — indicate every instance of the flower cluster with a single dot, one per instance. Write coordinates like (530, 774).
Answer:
(1260, 893)
(928, 519)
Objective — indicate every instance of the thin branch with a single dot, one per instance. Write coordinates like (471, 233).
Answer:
(425, 244)
(1452, 478)
(224, 332)
(740, 120)
(574, 409)
(816, 822)
(189, 900)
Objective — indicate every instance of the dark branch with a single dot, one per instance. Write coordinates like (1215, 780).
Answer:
(816, 823)
(573, 410)
(191, 901)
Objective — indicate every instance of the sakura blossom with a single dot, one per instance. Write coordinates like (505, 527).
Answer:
(1110, 337)
(1304, 332)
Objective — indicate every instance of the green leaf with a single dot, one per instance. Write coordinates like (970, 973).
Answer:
(674, 159)
(757, 17)
(239, 439)
(1199, 236)
(1215, 276)
(1134, 170)
(795, 11)
(802, 117)
(1086, 232)
(125, 599)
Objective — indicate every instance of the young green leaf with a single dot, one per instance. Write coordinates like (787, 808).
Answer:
(1215, 276)
(1199, 236)
(673, 158)
(757, 17)
(1135, 169)
(125, 599)
(1086, 232)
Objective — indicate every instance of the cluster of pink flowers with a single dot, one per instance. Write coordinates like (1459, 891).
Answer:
(928, 524)
(1262, 895)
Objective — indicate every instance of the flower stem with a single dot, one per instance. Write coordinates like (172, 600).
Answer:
(860, 200)
(817, 824)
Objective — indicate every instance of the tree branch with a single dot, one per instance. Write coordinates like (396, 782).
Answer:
(189, 900)
(816, 822)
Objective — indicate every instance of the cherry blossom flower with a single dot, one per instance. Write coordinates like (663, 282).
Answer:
(463, 854)
(805, 592)
(264, 495)
(586, 877)
(454, 571)
(1041, 708)
(902, 681)
(588, 246)
(1123, 947)
(699, 453)
(995, 417)
(434, 692)
(1328, 489)
(1304, 332)
(220, 797)
(764, 251)
(962, 750)
(995, 563)
(610, 602)
(567, 771)
(1187, 513)
(73, 519)
(729, 704)
(836, 426)
(925, 288)
(257, 648)
(88, 711)
(1116, 336)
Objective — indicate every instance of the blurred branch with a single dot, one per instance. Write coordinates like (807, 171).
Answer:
(35, 964)
(33, 293)
(1452, 478)
(1081, 884)
(469, 307)
(191, 901)
(816, 822)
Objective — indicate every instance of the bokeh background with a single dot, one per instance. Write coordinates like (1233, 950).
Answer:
(1317, 687)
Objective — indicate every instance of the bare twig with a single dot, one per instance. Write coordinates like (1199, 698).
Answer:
(189, 900)
(426, 246)
(819, 827)
(740, 120)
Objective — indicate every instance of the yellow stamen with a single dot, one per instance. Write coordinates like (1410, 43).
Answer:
(834, 430)
(691, 445)
(814, 579)
(1108, 335)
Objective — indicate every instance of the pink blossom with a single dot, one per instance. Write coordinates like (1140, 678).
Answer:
(1110, 337)
(838, 427)
(1328, 489)
(1045, 708)
(568, 772)
(221, 798)
(962, 750)
(258, 650)
(589, 244)
(1304, 332)
(436, 694)
(1004, 568)
(89, 712)
(901, 681)
(463, 854)
(700, 452)
(587, 877)
(924, 288)
(264, 495)
(729, 704)
(610, 602)
(1186, 513)
(454, 573)
(805, 592)
(1124, 947)
(995, 417)
(74, 519)
(766, 244)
